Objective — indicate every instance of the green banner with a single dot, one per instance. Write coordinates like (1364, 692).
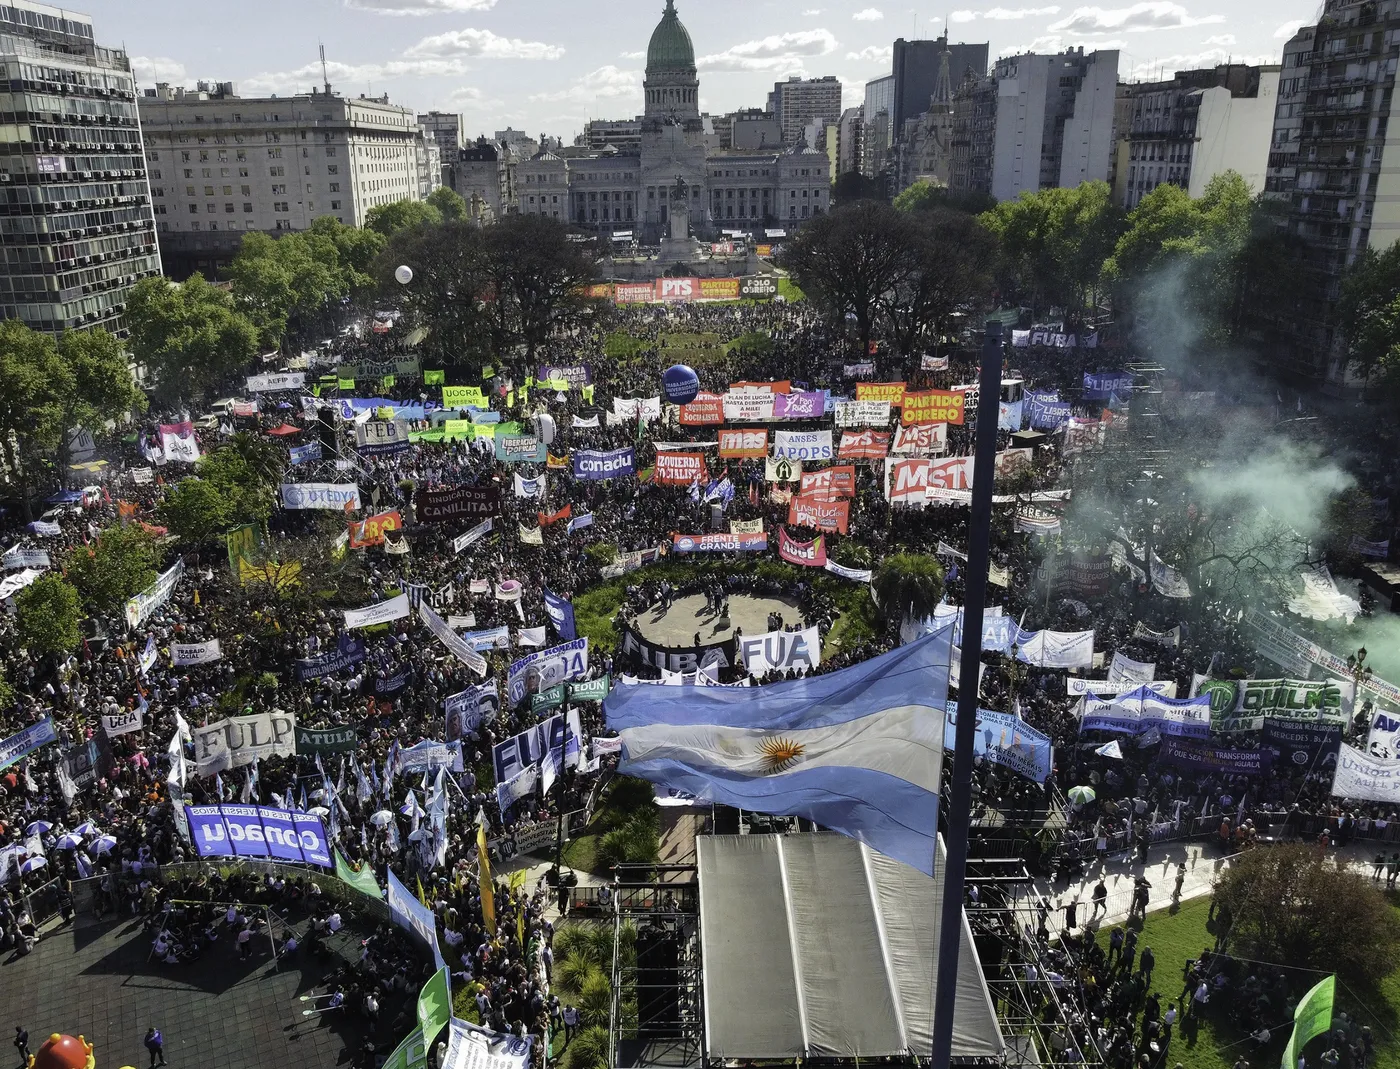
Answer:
(463, 396)
(590, 690)
(1242, 704)
(547, 699)
(326, 740)
(434, 378)
(345, 384)
(361, 879)
(1311, 1019)
(434, 1006)
(243, 541)
(412, 1053)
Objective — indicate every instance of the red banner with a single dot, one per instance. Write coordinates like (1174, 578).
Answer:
(370, 530)
(893, 392)
(921, 440)
(546, 518)
(634, 293)
(864, 445)
(932, 406)
(743, 443)
(764, 387)
(680, 469)
(809, 554)
(830, 482)
(914, 481)
(810, 511)
(677, 289)
(706, 408)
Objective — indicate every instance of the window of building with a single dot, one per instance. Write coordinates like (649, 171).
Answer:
(203, 156)
(194, 225)
(194, 209)
(245, 190)
(277, 172)
(208, 191)
(330, 150)
(335, 187)
(274, 153)
(332, 168)
(155, 174)
(228, 209)
(247, 208)
(241, 156)
(283, 224)
(184, 157)
(281, 206)
(228, 191)
(335, 205)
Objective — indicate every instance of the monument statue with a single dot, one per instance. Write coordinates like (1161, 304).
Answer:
(680, 210)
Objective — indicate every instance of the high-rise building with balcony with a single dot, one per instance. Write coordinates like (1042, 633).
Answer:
(76, 225)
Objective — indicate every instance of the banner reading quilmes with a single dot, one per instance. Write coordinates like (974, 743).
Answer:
(257, 831)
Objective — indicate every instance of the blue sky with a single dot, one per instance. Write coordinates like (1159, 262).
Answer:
(548, 66)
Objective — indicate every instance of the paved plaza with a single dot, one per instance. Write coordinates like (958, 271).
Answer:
(688, 617)
(93, 978)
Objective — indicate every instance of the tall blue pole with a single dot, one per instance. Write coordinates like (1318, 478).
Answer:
(960, 801)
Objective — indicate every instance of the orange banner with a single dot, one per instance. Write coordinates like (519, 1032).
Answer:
(743, 443)
(719, 289)
(370, 530)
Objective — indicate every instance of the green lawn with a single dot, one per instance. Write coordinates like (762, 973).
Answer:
(1180, 933)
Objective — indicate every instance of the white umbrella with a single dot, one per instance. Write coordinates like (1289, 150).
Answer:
(69, 841)
(39, 827)
(419, 835)
(87, 827)
(318, 811)
(381, 818)
(31, 864)
(104, 843)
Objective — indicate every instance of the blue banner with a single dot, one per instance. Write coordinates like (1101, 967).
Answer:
(519, 449)
(304, 454)
(1050, 415)
(257, 831)
(27, 741)
(1103, 386)
(1006, 740)
(561, 614)
(591, 464)
(348, 406)
(410, 914)
(348, 653)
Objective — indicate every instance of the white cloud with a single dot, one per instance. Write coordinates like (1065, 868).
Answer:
(1005, 14)
(1221, 39)
(778, 53)
(873, 54)
(1154, 15)
(811, 12)
(1054, 42)
(608, 81)
(632, 55)
(305, 77)
(471, 43)
(420, 7)
(154, 69)
(1289, 28)
(869, 14)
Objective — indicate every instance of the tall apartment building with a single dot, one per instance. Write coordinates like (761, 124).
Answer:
(798, 102)
(229, 164)
(1336, 101)
(850, 140)
(443, 129)
(484, 177)
(621, 134)
(915, 73)
(879, 119)
(1196, 125)
(1037, 122)
(76, 227)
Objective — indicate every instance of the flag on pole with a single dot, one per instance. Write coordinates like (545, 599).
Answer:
(488, 901)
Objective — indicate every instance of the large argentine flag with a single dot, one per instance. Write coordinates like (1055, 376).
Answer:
(859, 751)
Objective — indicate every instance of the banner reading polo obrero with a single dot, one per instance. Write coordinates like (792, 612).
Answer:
(241, 740)
(931, 406)
(546, 668)
(680, 469)
(809, 554)
(719, 543)
(820, 513)
(803, 445)
(333, 497)
(154, 596)
(743, 443)
(178, 443)
(591, 464)
(859, 751)
(864, 445)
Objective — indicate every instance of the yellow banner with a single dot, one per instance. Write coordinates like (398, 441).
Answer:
(459, 396)
(488, 900)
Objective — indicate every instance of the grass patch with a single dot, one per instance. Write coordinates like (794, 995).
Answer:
(621, 345)
(1178, 934)
(788, 289)
(582, 853)
(620, 802)
(751, 341)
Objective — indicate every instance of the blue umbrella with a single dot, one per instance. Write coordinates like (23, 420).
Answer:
(31, 864)
(87, 827)
(69, 841)
(103, 843)
(39, 827)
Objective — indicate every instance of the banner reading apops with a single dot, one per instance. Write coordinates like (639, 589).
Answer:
(241, 740)
(803, 445)
(258, 831)
(931, 406)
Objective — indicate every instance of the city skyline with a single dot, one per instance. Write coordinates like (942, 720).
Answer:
(500, 64)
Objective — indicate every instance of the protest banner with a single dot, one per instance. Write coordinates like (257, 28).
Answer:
(1186, 753)
(464, 397)
(839, 481)
(1242, 704)
(808, 554)
(178, 443)
(680, 469)
(458, 503)
(349, 652)
(915, 481)
(334, 740)
(719, 543)
(893, 392)
(748, 406)
(743, 443)
(577, 376)
(800, 404)
(819, 513)
(591, 464)
(931, 406)
(468, 709)
(20, 557)
(781, 651)
(371, 531)
(803, 445)
(23, 743)
(124, 722)
(333, 497)
(377, 438)
(922, 440)
(864, 445)
(192, 653)
(258, 831)
(395, 608)
(519, 449)
(707, 408)
(1371, 779)
(1006, 740)
(782, 470)
(542, 670)
(241, 740)
(140, 607)
(862, 413)
(287, 380)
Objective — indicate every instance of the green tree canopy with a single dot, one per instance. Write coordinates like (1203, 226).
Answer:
(907, 585)
(195, 510)
(1369, 313)
(450, 276)
(103, 389)
(188, 336)
(947, 267)
(120, 563)
(449, 203)
(48, 613)
(34, 400)
(926, 195)
(389, 219)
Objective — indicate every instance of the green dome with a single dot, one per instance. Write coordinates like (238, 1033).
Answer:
(670, 48)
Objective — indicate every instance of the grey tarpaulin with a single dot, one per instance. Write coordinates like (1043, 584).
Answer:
(815, 946)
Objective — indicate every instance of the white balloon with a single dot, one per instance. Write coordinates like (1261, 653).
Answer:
(404, 274)
(545, 426)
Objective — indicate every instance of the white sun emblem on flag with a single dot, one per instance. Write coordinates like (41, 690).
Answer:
(780, 754)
